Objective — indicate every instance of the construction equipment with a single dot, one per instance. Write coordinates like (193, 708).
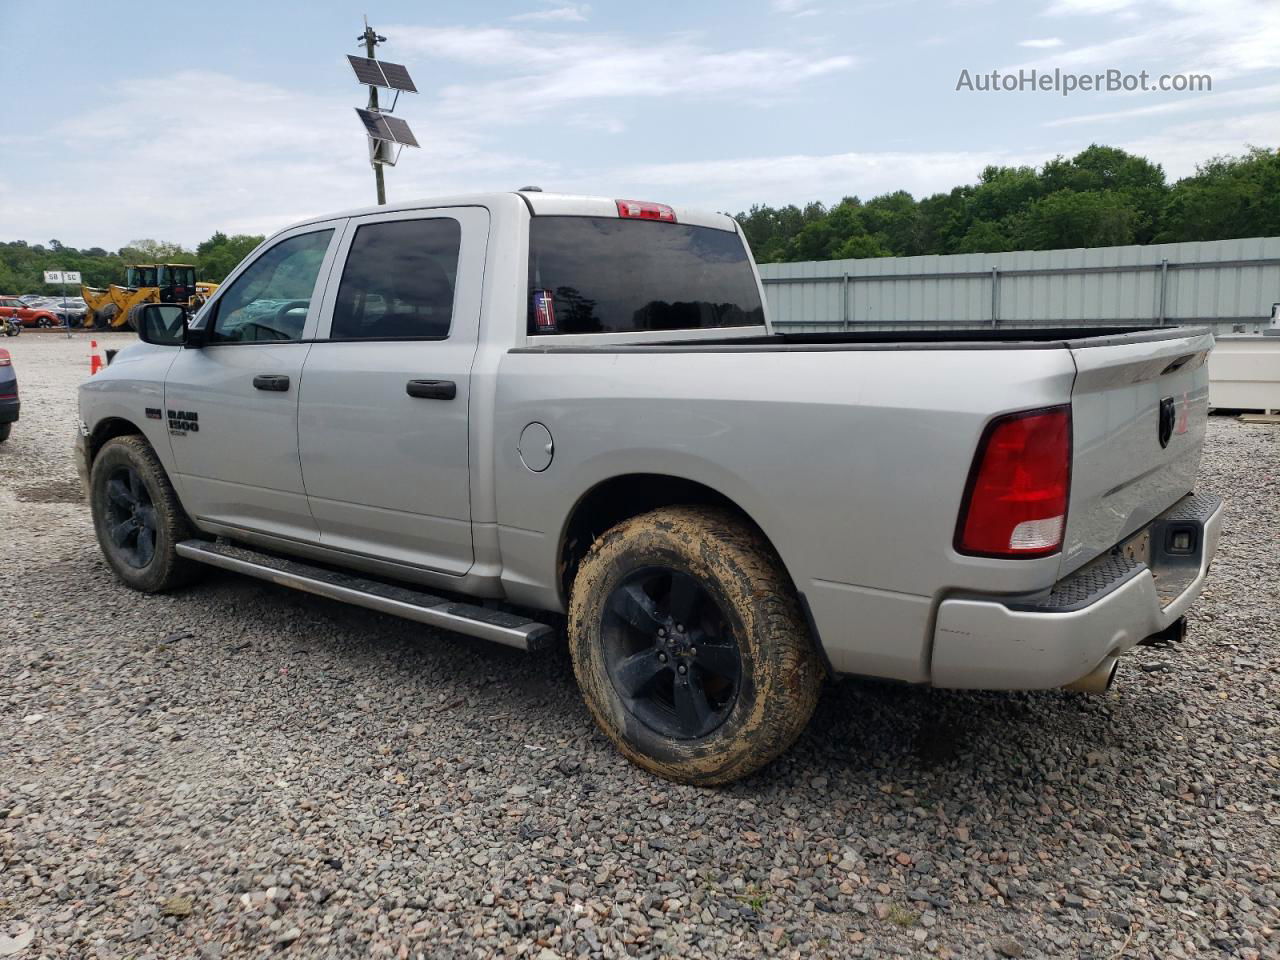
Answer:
(116, 306)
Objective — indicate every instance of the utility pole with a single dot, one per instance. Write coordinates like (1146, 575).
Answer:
(387, 134)
(371, 39)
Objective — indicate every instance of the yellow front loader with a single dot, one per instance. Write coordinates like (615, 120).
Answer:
(115, 307)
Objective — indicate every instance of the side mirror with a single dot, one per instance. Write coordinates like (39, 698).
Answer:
(164, 324)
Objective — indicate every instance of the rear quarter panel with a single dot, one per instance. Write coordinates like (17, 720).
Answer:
(852, 462)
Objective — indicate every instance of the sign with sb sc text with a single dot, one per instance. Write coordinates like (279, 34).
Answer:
(62, 276)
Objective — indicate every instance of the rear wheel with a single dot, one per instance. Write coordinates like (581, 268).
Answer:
(137, 516)
(689, 645)
(5, 430)
(103, 318)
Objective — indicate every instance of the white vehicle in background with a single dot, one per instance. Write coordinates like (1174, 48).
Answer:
(480, 412)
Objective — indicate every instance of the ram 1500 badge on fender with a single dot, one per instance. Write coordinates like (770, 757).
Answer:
(476, 411)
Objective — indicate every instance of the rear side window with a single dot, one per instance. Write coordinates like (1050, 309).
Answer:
(606, 275)
(398, 281)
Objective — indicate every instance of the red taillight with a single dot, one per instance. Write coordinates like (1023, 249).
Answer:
(1016, 503)
(635, 210)
(5, 361)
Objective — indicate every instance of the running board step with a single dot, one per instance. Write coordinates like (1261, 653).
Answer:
(468, 618)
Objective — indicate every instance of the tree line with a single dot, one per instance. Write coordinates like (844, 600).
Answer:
(22, 265)
(1101, 197)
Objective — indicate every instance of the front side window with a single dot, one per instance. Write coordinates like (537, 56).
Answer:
(607, 275)
(271, 299)
(398, 281)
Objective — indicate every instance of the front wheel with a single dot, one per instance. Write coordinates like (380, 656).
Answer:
(689, 645)
(44, 323)
(137, 516)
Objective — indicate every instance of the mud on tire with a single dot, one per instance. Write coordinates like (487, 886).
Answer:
(137, 517)
(619, 603)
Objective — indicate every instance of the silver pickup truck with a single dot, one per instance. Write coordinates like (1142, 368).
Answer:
(481, 412)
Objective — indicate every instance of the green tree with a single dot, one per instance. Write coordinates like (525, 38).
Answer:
(1227, 197)
(155, 251)
(1110, 170)
(1069, 219)
(984, 237)
(220, 254)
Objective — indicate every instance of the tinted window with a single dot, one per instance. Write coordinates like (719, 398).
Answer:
(398, 281)
(271, 299)
(605, 275)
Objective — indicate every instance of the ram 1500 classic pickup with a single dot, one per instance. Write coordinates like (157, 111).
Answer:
(477, 412)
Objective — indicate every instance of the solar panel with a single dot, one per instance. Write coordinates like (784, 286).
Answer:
(374, 125)
(400, 131)
(368, 71)
(397, 77)
(382, 127)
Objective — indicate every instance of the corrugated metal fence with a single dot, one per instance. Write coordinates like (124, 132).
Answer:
(1229, 284)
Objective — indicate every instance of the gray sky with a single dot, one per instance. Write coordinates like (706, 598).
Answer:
(143, 120)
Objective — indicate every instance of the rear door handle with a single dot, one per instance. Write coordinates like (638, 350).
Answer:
(432, 389)
(271, 381)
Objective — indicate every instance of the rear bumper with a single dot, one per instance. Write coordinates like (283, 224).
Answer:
(1100, 611)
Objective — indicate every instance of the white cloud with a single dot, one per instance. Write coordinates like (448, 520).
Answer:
(1216, 101)
(538, 72)
(240, 156)
(566, 13)
(1182, 147)
(795, 8)
(1046, 43)
(1062, 8)
(1226, 38)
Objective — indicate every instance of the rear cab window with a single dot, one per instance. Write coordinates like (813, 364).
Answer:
(614, 275)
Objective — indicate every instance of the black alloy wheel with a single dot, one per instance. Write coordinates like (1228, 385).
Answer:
(131, 517)
(670, 654)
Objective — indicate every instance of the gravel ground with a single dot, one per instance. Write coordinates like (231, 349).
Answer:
(237, 770)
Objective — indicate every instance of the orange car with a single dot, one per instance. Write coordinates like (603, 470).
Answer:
(29, 316)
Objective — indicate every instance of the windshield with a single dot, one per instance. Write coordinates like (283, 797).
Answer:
(607, 275)
(171, 275)
(140, 277)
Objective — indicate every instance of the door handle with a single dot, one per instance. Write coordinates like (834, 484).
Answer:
(271, 381)
(432, 389)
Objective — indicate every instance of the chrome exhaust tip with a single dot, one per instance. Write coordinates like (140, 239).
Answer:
(1099, 679)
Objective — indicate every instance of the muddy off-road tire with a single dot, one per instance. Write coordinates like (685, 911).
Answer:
(137, 517)
(689, 645)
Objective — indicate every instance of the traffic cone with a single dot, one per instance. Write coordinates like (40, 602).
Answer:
(95, 361)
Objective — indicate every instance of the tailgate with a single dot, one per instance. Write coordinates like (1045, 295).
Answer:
(1131, 460)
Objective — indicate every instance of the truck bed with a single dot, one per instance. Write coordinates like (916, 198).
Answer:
(1002, 338)
(851, 450)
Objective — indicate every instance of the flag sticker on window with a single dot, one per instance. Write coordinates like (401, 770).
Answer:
(544, 311)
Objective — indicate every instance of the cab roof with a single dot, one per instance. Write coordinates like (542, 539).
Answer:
(539, 204)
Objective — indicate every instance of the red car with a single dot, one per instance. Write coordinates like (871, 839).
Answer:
(29, 316)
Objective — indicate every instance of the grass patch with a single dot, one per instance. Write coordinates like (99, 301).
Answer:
(902, 917)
